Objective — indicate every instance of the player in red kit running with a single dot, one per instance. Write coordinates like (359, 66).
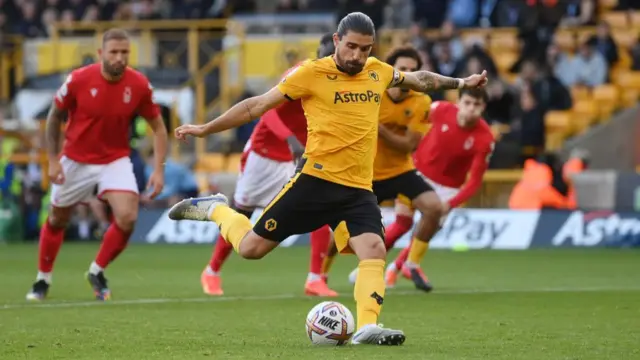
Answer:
(100, 100)
(460, 142)
(267, 164)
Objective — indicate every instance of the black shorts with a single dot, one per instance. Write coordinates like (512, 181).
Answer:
(407, 185)
(307, 203)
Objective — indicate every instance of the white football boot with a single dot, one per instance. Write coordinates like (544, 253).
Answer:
(373, 334)
(198, 209)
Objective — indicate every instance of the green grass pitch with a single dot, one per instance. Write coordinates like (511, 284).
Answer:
(552, 304)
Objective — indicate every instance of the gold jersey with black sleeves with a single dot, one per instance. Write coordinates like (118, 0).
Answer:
(411, 114)
(342, 117)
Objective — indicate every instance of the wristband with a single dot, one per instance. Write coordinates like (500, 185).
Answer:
(460, 83)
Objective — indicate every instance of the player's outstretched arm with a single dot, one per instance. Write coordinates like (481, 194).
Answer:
(425, 81)
(240, 114)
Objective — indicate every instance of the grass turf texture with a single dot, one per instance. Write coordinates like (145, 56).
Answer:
(555, 304)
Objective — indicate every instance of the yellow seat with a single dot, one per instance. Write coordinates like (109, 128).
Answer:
(498, 129)
(605, 5)
(628, 80)
(634, 19)
(585, 114)
(202, 180)
(210, 163)
(607, 98)
(622, 67)
(624, 39)
(559, 121)
(554, 141)
(503, 41)
(579, 93)
(629, 98)
(509, 77)
(233, 163)
(468, 34)
(616, 19)
(584, 34)
(504, 60)
(565, 39)
(451, 96)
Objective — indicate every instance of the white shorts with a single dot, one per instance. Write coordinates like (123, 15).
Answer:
(81, 181)
(445, 193)
(261, 180)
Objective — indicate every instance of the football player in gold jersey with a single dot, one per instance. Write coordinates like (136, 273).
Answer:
(403, 122)
(341, 96)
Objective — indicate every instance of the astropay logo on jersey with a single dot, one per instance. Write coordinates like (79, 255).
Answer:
(482, 229)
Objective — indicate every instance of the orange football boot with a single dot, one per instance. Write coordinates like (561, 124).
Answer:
(211, 284)
(318, 288)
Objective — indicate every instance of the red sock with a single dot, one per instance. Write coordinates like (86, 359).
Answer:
(402, 257)
(394, 231)
(115, 240)
(51, 239)
(319, 246)
(221, 251)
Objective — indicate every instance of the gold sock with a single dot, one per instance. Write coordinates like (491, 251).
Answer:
(327, 262)
(233, 225)
(417, 251)
(369, 291)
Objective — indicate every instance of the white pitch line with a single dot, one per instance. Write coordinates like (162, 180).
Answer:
(204, 299)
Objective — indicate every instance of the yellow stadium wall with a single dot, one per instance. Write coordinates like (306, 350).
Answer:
(265, 57)
(68, 55)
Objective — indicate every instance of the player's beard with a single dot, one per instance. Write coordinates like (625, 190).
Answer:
(113, 70)
(350, 67)
(468, 120)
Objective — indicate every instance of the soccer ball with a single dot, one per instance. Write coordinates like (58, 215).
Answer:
(330, 323)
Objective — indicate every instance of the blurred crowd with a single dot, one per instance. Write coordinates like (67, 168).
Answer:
(33, 18)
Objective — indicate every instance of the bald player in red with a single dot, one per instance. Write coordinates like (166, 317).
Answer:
(459, 144)
(268, 161)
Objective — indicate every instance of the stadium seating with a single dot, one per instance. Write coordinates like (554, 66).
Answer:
(617, 19)
(607, 97)
(566, 39)
(586, 114)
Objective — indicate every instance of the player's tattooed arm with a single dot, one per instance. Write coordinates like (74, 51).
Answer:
(53, 131)
(426, 81)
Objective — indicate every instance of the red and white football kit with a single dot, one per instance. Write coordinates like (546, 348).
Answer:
(449, 152)
(267, 162)
(96, 147)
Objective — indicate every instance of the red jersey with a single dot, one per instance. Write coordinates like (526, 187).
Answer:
(100, 113)
(449, 152)
(269, 138)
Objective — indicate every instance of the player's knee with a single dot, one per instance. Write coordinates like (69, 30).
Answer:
(430, 206)
(59, 217)
(368, 247)
(254, 247)
(126, 220)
